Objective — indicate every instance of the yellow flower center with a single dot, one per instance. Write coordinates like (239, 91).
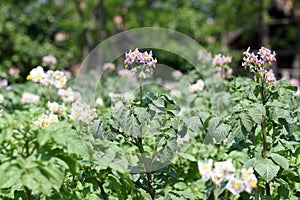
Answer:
(38, 77)
(236, 185)
(253, 184)
(247, 175)
(205, 167)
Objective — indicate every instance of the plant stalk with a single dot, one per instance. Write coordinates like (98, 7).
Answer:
(28, 193)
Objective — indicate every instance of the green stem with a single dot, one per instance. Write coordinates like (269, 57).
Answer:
(141, 92)
(264, 134)
(216, 192)
(150, 189)
(28, 193)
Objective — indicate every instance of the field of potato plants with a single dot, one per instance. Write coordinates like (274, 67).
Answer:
(190, 137)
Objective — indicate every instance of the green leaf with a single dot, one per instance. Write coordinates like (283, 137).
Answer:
(246, 121)
(266, 168)
(193, 123)
(180, 185)
(142, 115)
(256, 112)
(280, 160)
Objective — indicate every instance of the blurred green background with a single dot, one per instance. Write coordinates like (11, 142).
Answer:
(70, 29)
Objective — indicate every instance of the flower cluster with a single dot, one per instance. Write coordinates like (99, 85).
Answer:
(82, 112)
(109, 66)
(29, 98)
(52, 78)
(46, 119)
(198, 86)
(56, 108)
(260, 63)
(68, 95)
(203, 56)
(176, 74)
(220, 60)
(49, 60)
(223, 172)
(143, 60)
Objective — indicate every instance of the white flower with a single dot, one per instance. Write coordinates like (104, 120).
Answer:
(225, 168)
(82, 112)
(118, 105)
(235, 186)
(29, 98)
(52, 107)
(1, 113)
(36, 74)
(198, 86)
(185, 138)
(56, 108)
(216, 176)
(46, 119)
(55, 78)
(68, 95)
(128, 96)
(205, 169)
(250, 179)
(1, 98)
(176, 93)
(99, 102)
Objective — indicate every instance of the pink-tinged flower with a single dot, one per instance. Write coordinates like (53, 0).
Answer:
(176, 74)
(205, 169)
(203, 56)
(3, 83)
(267, 56)
(220, 60)
(270, 77)
(294, 82)
(109, 66)
(261, 72)
(49, 60)
(145, 57)
(127, 73)
(144, 62)
(235, 186)
(229, 72)
(13, 71)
